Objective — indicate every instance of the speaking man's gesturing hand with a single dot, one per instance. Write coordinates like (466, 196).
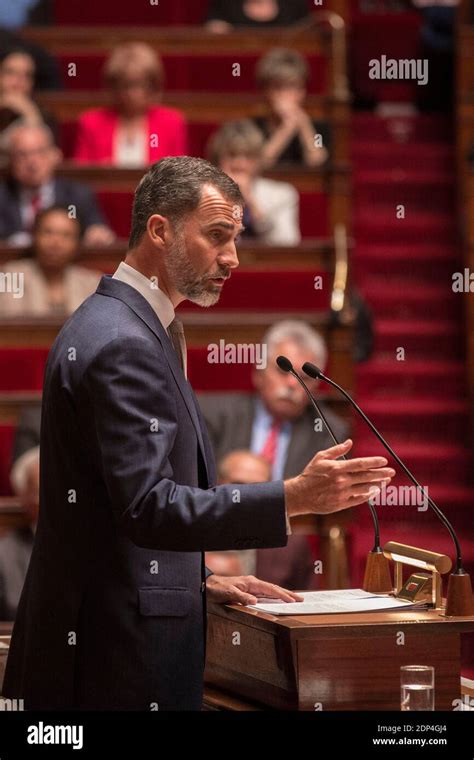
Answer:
(328, 484)
(244, 589)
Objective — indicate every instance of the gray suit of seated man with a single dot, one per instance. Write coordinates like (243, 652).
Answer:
(245, 421)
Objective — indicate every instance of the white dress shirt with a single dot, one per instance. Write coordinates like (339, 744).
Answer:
(159, 302)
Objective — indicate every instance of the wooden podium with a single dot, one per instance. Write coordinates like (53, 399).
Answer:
(351, 661)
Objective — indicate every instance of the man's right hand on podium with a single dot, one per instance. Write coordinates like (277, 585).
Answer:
(328, 484)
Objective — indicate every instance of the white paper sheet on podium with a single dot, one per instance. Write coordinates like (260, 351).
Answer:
(339, 601)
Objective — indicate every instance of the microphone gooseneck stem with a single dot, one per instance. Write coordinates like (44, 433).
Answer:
(434, 507)
(375, 519)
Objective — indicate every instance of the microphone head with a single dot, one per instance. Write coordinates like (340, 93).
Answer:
(284, 363)
(311, 370)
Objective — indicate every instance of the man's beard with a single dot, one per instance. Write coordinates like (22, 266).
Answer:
(195, 287)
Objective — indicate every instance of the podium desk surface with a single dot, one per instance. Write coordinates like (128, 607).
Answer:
(340, 623)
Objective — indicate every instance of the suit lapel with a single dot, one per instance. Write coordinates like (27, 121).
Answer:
(135, 301)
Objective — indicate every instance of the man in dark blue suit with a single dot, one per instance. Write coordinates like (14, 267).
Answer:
(112, 614)
(32, 185)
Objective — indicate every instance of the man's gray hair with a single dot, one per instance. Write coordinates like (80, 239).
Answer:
(301, 335)
(21, 124)
(172, 187)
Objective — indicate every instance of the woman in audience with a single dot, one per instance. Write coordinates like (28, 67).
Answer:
(291, 135)
(135, 130)
(272, 208)
(48, 283)
(17, 79)
(225, 14)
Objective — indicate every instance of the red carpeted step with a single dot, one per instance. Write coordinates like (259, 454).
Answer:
(430, 462)
(418, 417)
(402, 129)
(412, 156)
(396, 35)
(399, 176)
(421, 337)
(385, 376)
(416, 190)
(428, 260)
(382, 226)
(411, 299)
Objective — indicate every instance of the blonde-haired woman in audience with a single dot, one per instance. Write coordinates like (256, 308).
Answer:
(136, 129)
(272, 208)
(48, 283)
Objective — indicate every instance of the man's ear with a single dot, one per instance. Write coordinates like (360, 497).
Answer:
(157, 228)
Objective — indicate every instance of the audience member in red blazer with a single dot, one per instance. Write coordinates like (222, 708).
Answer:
(135, 130)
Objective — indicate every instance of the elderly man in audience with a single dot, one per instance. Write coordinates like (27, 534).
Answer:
(276, 421)
(271, 208)
(32, 186)
(291, 564)
(292, 136)
(135, 130)
(48, 282)
(16, 545)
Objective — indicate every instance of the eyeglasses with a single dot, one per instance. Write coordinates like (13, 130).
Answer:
(22, 155)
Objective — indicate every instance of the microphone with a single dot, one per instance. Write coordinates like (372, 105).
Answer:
(459, 581)
(382, 583)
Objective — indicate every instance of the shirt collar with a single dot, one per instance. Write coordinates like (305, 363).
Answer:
(45, 192)
(264, 418)
(158, 300)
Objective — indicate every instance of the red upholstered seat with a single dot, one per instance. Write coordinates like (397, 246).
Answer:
(189, 71)
(224, 377)
(272, 291)
(22, 369)
(111, 13)
(117, 208)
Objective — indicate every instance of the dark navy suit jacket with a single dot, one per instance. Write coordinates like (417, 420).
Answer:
(66, 193)
(113, 608)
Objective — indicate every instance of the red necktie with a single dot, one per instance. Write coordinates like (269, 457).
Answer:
(35, 205)
(268, 451)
